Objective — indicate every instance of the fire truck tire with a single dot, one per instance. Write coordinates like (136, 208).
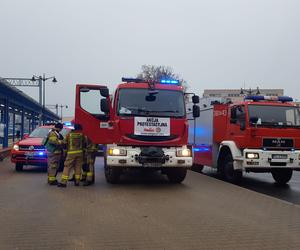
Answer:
(19, 167)
(282, 176)
(197, 168)
(227, 171)
(176, 175)
(112, 174)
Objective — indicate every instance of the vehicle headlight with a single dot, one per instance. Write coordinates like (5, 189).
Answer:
(183, 152)
(16, 147)
(252, 155)
(117, 152)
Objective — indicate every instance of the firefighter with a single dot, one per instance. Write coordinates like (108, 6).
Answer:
(54, 145)
(90, 156)
(75, 144)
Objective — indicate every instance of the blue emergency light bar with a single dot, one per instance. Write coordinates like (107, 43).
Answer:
(68, 124)
(169, 81)
(256, 98)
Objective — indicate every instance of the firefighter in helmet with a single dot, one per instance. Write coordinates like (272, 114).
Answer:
(90, 156)
(75, 144)
(54, 144)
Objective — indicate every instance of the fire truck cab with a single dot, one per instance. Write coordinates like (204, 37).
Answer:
(144, 125)
(260, 134)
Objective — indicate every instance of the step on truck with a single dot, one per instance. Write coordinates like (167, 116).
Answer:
(143, 125)
(260, 134)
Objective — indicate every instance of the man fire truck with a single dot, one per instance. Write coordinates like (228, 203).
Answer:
(143, 126)
(260, 134)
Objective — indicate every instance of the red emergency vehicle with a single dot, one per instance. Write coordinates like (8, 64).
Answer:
(143, 126)
(260, 134)
(30, 150)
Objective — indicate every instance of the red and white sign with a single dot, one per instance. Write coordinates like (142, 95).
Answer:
(152, 126)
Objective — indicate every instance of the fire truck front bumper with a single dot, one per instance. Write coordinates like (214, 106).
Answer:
(268, 159)
(148, 157)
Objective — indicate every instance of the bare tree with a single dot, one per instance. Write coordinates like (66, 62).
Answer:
(156, 73)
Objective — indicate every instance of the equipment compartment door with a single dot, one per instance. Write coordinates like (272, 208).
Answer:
(96, 121)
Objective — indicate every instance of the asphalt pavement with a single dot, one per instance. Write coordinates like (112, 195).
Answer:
(265, 184)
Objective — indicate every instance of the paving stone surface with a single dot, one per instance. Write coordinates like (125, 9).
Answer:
(144, 211)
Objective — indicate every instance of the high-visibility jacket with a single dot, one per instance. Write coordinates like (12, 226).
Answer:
(75, 142)
(53, 142)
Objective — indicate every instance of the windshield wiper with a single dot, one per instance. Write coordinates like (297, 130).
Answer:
(170, 111)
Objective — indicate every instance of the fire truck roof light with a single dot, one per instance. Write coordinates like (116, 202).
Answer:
(285, 99)
(136, 80)
(269, 98)
(169, 81)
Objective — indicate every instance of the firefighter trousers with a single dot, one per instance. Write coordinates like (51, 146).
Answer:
(91, 167)
(53, 160)
(72, 161)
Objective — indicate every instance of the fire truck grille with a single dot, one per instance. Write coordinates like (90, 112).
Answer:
(278, 143)
(152, 138)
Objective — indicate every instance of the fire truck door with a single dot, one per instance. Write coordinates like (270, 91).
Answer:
(93, 112)
(237, 124)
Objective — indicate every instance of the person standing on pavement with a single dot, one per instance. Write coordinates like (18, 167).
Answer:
(54, 145)
(75, 144)
(90, 154)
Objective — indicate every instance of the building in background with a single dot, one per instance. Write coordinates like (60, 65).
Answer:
(19, 114)
(233, 95)
(236, 95)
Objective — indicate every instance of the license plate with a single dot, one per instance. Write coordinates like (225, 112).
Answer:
(152, 164)
(29, 154)
(279, 156)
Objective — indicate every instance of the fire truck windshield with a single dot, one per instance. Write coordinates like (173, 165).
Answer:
(274, 116)
(145, 102)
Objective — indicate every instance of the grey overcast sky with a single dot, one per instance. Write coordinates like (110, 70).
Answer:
(211, 44)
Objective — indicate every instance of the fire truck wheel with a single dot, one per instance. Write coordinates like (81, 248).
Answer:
(19, 167)
(112, 174)
(282, 176)
(176, 175)
(197, 168)
(228, 173)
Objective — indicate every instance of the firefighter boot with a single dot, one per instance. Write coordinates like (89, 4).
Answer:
(89, 179)
(72, 178)
(88, 183)
(62, 185)
(52, 183)
(83, 176)
(77, 180)
(64, 180)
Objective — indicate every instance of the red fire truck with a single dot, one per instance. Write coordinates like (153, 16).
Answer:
(143, 126)
(260, 134)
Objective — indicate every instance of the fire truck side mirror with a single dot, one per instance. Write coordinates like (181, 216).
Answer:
(104, 106)
(196, 111)
(195, 99)
(104, 92)
(253, 120)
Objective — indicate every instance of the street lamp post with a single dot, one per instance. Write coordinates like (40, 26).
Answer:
(43, 79)
(61, 110)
